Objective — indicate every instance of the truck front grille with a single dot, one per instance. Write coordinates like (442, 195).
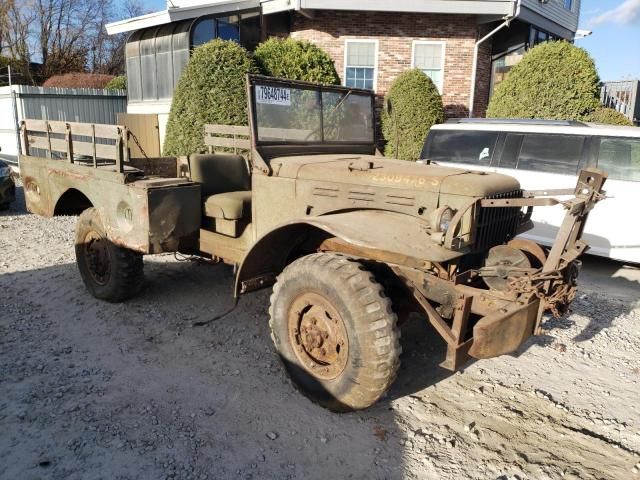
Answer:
(495, 226)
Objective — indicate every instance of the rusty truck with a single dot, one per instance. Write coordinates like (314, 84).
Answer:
(351, 242)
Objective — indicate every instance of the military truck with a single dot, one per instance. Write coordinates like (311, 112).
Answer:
(351, 242)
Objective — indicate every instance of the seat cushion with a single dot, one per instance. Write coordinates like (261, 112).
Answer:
(219, 173)
(230, 205)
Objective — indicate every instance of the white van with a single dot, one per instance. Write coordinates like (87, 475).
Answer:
(549, 154)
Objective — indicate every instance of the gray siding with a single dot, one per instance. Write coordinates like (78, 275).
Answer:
(472, 7)
(554, 10)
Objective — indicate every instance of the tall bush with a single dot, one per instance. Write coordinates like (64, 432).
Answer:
(608, 116)
(118, 83)
(295, 60)
(554, 80)
(415, 106)
(211, 90)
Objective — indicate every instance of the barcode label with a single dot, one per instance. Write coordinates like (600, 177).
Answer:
(273, 95)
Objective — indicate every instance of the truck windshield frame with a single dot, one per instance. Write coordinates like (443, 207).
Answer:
(286, 112)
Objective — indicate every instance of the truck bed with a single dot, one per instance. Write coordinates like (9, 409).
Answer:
(143, 203)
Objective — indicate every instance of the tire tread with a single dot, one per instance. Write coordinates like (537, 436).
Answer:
(128, 267)
(374, 307)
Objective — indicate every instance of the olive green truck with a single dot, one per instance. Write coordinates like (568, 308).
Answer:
(350, 241)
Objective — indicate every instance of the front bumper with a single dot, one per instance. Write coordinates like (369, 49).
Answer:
(7, 190)
(501, 320)
(503, 331)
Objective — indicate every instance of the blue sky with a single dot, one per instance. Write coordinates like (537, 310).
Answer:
(614, 45)
(154, 5)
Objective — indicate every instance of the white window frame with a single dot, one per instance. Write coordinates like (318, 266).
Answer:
(375, 60)
(443, 46)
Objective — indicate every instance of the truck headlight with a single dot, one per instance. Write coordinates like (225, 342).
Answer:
(441, 219)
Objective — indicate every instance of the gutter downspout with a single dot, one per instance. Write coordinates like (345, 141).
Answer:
(476, 48)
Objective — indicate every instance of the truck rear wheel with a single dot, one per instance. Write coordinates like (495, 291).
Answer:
(109, 272)
(335, 331)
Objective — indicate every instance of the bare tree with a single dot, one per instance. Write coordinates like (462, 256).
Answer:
(63, 35)
(107, 53)
(14, 35)
(4, 14)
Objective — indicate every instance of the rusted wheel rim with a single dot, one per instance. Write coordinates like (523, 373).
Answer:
(318, 336)
(97, 254)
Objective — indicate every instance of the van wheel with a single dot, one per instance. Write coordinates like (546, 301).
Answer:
(109, 272)
(335, 331)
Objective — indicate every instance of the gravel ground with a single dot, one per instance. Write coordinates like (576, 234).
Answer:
(134, 391)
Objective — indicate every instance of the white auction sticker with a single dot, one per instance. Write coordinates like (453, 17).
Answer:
(273, 95)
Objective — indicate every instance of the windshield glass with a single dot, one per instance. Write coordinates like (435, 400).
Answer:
(314, 114)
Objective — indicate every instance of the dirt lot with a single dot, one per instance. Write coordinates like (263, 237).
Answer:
(93, 390)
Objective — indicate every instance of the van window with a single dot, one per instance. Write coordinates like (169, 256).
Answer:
(551, 153)
(475, 148)
(620, 158)
(511, 150)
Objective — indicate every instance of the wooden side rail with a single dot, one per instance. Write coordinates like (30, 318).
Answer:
(227, 136)
(56, 136)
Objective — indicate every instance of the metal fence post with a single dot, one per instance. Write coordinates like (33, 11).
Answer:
(14, 108)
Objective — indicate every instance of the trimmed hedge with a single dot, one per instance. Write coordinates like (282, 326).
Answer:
(554, 80)
(211, 90)
(416, 106)
(295, 60)
(79, 80)
(608, 116)
(118, 83)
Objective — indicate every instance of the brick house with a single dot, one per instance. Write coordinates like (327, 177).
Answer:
(465, 46)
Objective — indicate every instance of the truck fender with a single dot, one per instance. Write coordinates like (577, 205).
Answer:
(379, 235)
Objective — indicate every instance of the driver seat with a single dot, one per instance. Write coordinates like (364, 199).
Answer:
(226, 189)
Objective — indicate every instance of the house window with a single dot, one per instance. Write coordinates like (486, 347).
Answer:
(537, 36)
(361, 63)
(568, 4)
(203, 31)
(229, 28)
(429, 57)
(502, 64)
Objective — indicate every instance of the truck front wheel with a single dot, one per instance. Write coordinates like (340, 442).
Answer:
(109, 272)
(335, 331)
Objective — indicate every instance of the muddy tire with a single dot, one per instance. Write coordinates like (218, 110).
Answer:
(109, 272)
(334, 329)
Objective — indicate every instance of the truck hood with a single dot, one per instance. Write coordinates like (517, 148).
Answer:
(379, 171)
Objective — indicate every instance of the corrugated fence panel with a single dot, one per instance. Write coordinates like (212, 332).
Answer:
(73, 104)
(87, 105)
